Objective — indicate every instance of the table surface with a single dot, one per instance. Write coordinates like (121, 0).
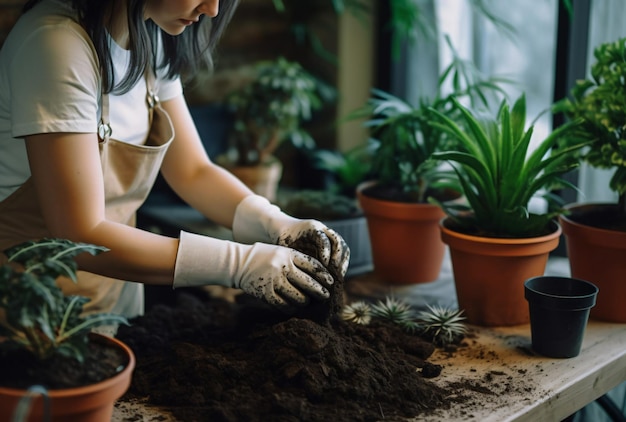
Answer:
(507, 380)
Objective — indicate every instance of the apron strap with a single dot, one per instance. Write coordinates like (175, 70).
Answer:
(151, 98)
(104, 127)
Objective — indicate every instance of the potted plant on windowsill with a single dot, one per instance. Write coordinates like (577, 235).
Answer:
(496, 240)
(267, 110)
(55, 368)
(403, 225)
(595, 233)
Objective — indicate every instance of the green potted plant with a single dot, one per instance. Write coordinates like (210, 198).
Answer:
(280, 96)
(595, 233)
(54, 366)
(496, 240)
(395, 202)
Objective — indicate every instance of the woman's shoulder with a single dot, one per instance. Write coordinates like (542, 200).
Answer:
(48, 36)
(52, 22)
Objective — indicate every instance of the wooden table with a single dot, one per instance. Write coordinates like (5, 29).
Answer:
(520, 385)
(507, 380)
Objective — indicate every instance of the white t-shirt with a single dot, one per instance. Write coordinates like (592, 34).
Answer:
(49, 82)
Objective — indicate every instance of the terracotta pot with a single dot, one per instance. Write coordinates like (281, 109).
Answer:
(599, 256)
(82, 404)
(262, 179)
(489, 274)
(405, 239)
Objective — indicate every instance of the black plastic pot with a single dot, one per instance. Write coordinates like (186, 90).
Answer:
(559, 311)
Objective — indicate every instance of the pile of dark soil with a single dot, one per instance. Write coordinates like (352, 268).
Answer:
(206, 359)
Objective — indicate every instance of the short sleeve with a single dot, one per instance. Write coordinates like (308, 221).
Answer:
(54, 81)
(169, 88)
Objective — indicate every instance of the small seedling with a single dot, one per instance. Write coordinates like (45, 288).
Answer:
(393, 310)
(443, 325)
(357, 312)
(440, 324)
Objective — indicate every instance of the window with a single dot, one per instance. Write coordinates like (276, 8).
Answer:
(527, 55)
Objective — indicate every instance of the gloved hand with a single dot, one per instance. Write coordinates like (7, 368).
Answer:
(257, 220)
(280, 276)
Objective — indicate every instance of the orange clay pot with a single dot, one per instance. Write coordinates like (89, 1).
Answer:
(489, 274)
(82, 404)
(598, 256)
(405, 240)
(263, 179)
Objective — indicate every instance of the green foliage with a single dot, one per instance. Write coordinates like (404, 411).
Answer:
(39, 318)
(405, 138)
(499, 174)
(348, 169)
(393, 310)
(600, 102)
(272, 107)
(443, 325)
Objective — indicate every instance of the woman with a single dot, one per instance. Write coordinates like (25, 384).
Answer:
(91, 108)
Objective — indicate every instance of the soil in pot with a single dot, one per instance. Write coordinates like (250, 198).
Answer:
(21, 370)
(601, 216)
(207, 359)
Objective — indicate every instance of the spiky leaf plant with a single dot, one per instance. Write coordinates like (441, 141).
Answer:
(396, 311)
(38, 317)
(499, 173)
(358, 312)
(439, 324)
(443, 325)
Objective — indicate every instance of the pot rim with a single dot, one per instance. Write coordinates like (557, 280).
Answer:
(584, 299)
(91, 388)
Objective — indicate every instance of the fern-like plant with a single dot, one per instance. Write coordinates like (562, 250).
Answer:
(38, 317)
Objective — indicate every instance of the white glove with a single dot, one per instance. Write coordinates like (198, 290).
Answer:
(256, 220)
(280, 276)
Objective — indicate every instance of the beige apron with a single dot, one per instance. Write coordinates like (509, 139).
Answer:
(129, 174)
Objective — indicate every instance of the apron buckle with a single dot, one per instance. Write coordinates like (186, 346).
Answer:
(104, 130)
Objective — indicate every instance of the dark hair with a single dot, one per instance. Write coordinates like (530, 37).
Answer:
(183, 56)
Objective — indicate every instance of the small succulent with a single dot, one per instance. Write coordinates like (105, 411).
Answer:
(440, 324)
(397, 312)
(393, 310)
(358, 312)
(444, 325)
